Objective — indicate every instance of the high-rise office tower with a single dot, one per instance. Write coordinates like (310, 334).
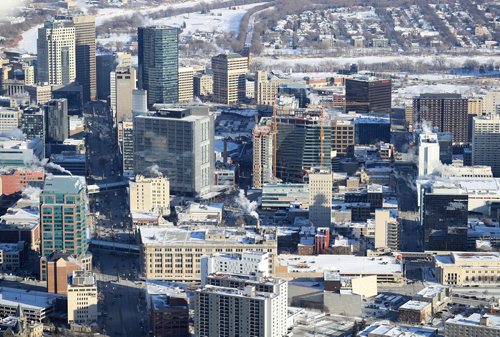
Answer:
(85, 55)
(301, 144)
(320, 196)
(443, 216)
(263, 139)
(266, 88)
(33, 123)
(82, 297)
(127, 147)
(485, 142)
(343, 136)
(447, 112)
(122, 87)
(229, 78)
(105, 64)
(139, 102)
(181, 143)
(56, 121)
(56, 52)
(372, 95)
(428, 153)
(159, 63)
(232, 305)
(63, 216)
(186, 75)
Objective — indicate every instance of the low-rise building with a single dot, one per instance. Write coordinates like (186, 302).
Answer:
(415, 312)
(35, 305)
(174, 253)
(468, 268)
(437, 295)
(388, 329)
(476, 325)
(387, 269)
(169, 309)
(195, 213)
(12, 255)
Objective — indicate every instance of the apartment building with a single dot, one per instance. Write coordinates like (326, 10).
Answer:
(263, 153)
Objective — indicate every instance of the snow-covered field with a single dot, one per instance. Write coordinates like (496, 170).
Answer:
(219, 20)
(429, 59)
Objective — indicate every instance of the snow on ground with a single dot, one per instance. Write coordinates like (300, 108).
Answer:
(315, 61)
(28, 42)
(220, 20)
(415, 90)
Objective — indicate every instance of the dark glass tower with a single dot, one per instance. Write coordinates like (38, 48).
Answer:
(159, 63)
(443, 215)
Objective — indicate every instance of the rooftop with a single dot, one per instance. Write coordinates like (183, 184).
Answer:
(431, 291)
(200, 235)
(475, 320)
(28, 299)
(414, 305)
(386, 328)
(345, 264)
(63, 184)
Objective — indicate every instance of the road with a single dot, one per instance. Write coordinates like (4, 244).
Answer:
(122, 301)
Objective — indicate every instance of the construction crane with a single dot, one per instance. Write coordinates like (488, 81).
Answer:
(322, 117)
(275, 129)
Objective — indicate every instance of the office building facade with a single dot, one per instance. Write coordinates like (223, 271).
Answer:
(447, 112)
(229, 78)
(85, 36)
(371, 95)
(56, 120)
(159, 63)
(443, 216)
(150, 195)
(320, 196)
(181, 143)
(63, 215)
(300, 145)
(263, 153)
(56, 52)
(186, 75)
(485, 140)
(82, 298)
(123, 84)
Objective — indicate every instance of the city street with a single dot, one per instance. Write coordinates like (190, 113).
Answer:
(122, 304)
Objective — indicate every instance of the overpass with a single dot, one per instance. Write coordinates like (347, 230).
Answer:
(103, 187)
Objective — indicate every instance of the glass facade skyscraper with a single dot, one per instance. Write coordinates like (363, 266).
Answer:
(63, 215)
(159, 63)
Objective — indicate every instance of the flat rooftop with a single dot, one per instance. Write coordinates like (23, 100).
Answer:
(431, 291)
(474, 320)
(386, 328)
(200, 235)
(28, 299)
(414, 305)
(345, 264)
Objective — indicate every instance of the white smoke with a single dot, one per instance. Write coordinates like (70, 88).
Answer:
(8, 7)
(155, 170)
(49, 165)
(248, 207)
(31, 193)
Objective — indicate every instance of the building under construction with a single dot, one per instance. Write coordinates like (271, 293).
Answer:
(263, 140)
(303, 140)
